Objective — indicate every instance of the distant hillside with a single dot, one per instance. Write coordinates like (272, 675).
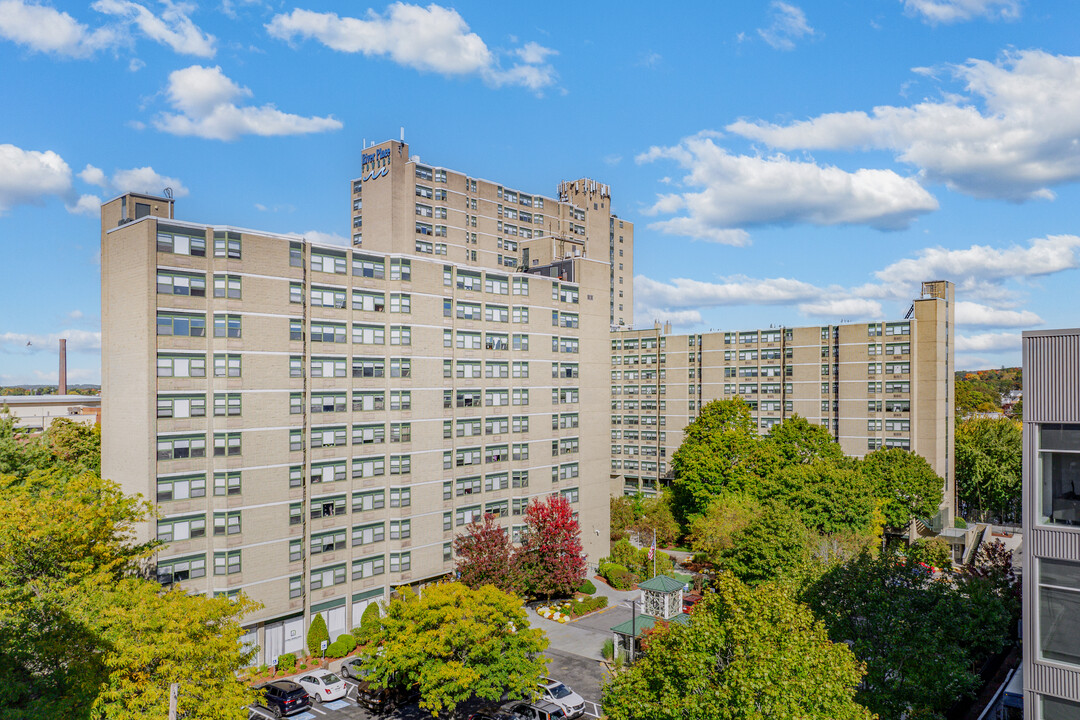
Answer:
(982, 390)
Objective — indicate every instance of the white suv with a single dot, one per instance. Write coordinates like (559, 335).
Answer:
(555, 692)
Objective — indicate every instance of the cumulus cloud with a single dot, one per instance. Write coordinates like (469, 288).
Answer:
(173, 28)
(206, 103)
(27, 343)
(30, 176)
(44, 29)
(848, 309)
(788, 25)
(643, 316)
(738, 290)
(988, 342)
(146, 180)
(970, 313)
(1042, 256)
(738, 191)
(89, 205)
(431, 39)
(1012, 136)
(951, 11)
(325, 237)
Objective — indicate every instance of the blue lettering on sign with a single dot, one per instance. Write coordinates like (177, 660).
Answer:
(365, 158)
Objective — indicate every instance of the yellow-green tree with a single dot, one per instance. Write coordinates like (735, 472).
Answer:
(746, 654)
(452, 643)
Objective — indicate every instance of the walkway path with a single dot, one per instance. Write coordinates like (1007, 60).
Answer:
(585, 636)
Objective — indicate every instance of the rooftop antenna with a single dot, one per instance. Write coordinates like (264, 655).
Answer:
(168, 192)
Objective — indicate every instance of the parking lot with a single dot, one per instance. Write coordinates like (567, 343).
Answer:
(582, 674)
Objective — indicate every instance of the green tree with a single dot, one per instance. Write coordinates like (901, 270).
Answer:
(831, 496)
(746, 654)
(713, 532)
(905, 483)
(657, 521)
(622, 516)
(637, 561)
(21, 452)
(370, 619)
(86, 633)
(718, 451)
(920, 638)
(454, 643)
(988, 469)
(316, 634)
(773, 544)
(798, 441)
(76, 444)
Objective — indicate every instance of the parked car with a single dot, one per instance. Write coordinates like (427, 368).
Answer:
(559, 694)
(376, 699)
(539, 710)
(323, 685)
(352, 670)
(284, 697)
(493, 713)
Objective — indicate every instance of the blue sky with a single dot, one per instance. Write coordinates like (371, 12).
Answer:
(784, 163)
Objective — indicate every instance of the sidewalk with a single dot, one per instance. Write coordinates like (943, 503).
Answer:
(585, 636)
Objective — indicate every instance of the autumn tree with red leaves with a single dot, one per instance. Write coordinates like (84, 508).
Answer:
(550, 558)
(485, 556)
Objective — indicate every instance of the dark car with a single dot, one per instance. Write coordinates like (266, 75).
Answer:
(493, 713)
(375, 699)
(284, 697)
(539, 710)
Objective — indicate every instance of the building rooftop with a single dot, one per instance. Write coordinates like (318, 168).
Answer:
(641, 623)
(50, 399)
(662, 583)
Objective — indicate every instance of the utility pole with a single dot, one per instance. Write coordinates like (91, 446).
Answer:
(174, 696)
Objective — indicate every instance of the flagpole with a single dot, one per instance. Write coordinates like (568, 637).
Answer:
(654, 552)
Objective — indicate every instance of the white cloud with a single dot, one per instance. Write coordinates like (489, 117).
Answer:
(740, 191)
(988, 342)
(679, 318)
(432, 38)
(848, 309)
(45, 29)
(89, 205)
(325, 237)
(77, 341)
(93, 175)
(951, 11)
(788, 25)
(688, 293)
(1042, 256)
(135, 65)
(970, 313)
(1013, 136)
(29, 176)
(174, 28)
(146, 180)
(205, 99)
(75, 315)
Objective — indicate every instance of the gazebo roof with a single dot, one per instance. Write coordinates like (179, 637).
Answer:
(636, 626)
(661, 583)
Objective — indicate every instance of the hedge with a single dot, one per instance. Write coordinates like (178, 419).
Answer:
(587, 587)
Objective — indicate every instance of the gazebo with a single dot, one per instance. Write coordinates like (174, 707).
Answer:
(661, 600)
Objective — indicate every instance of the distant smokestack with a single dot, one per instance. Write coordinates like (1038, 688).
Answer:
(62, 386)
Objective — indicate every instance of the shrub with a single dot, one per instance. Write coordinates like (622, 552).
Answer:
(370, 619)
(348, 641)
(610, 570)
(286, 662)
(587, 587)
(608, 650)
(623, 580)
(337, 649)
(960, 522)
(316, 634)
(585, 606)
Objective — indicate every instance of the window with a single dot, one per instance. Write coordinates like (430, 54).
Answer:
(400, 399)
(226, 444)
(178, 283)
(226, 483)
(328, 332)
(400, 269)
(227, 523)
(368, 301)
(1058, 608)
(328, 472)
(227, 244)
(369, 267)
(400, 335)
(368, 401)
(180, 241)
(328, 542)
(466, 516)
(226, 366)
(327, 506)
(400, 497)
(327, 297)
(181, 324)
(497, 284)
(367, 534)
(181, 406)
(519, 451)
(181, 447)
(400, 464)
(492, 425)
(400, 303)
(1059, 474)
(227, 326)
(181, 488)
(328, 402)
(227, 286)
(327, 367)
(368, 367)
(368, 500)
(496, 313)
(181, 528)
(400, 367)
(369, 434)
(328, 262)
(176, 570)
(400, 529)
(369, 467)
(368, 567)
(227, 404)
(329, 576)
(181, 366)
(469, 340)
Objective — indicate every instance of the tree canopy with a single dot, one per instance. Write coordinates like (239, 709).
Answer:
(745, 654)
(453, 642)
(989, 454)
(906, 484)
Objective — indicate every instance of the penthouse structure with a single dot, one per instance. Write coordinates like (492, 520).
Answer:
(316, 423)
(873, 385)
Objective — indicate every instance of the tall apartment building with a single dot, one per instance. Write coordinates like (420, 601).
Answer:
(880, 384)
(1051, 517)
(315, 423)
